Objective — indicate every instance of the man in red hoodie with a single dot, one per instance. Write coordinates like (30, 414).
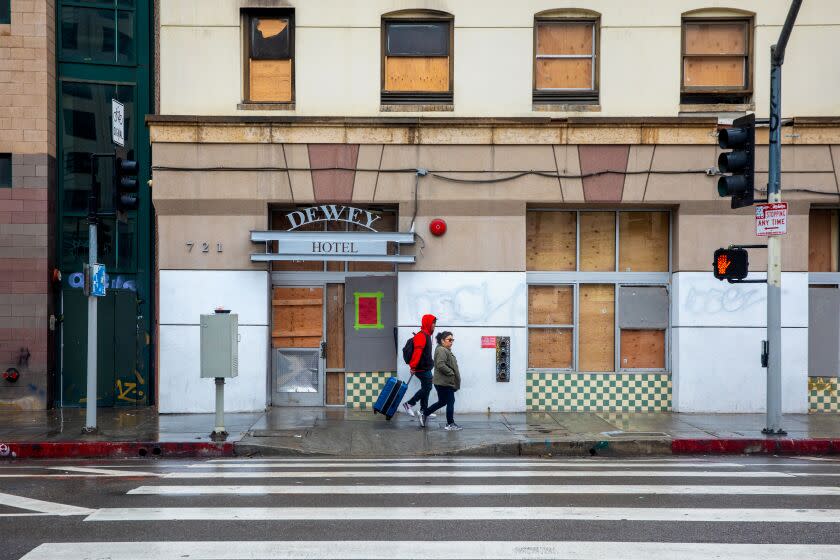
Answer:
(421, 365)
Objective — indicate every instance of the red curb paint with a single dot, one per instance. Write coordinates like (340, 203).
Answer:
(757, 446)
(114, 449)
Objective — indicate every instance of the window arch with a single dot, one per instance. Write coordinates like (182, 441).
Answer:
(716, 56)
(566, 56)
(417, 61)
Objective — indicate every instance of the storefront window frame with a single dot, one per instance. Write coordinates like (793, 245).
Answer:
(616, 278)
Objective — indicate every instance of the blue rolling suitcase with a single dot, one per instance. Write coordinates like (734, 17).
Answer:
(390, 398)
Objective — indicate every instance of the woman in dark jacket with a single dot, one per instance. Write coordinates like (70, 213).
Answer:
(447, 379)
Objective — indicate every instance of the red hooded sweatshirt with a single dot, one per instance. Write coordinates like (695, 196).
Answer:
(427, 328)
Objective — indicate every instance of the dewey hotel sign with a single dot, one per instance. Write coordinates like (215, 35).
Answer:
(292, 245)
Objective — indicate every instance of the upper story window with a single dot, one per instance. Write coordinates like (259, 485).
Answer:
(716, 61)
(417, 60)
(269, 38)
(566, 59)
(100, 33)
(5, 11)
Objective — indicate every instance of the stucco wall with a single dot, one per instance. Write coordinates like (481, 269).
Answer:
(338, 55)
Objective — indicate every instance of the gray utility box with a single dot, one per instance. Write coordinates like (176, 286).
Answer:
(220, 345)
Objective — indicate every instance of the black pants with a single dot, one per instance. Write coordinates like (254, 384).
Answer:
(422, 393)
(446, 397)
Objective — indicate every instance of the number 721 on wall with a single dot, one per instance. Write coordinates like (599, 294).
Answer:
(204, 246)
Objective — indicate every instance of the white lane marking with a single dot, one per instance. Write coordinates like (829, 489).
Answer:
(380, 465)
(453, 460)
(501, 513)
(416, 550)
(487, 489)
(105, 472)
(40, 506)
(429, 550)
(21, 475)
(475, 474)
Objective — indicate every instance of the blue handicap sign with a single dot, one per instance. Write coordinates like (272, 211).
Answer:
(97, 280)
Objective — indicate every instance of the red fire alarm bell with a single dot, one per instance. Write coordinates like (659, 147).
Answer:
(437, 227)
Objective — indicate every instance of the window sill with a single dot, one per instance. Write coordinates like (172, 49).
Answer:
(716, 107)
(248, 106)
(566, 107)
(404, 108)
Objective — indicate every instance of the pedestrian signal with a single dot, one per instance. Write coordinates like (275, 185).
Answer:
(731, 264)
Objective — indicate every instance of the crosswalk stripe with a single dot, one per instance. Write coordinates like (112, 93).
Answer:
(405, 465)
(478, 474)
(503, 513)
(40, 506)
(429, 550)
(453, 460)
(485, 489)
(107, 472)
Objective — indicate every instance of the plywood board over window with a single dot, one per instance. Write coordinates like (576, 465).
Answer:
(550, 305)
(565, 55)
(270, 59)
(335, 344)
(823, 238)
(596, 339)
(643, 241)
(597, 241)
(417, 61)
(550, 348)
(297, 317)
(642, 349)
(715, 55)
(551, 240)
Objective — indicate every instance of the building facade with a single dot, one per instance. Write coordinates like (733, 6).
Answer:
(306, 156)
(61, 64)
(27, 178)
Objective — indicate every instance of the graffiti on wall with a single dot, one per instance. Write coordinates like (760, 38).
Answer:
(728, 299)
(470, 303)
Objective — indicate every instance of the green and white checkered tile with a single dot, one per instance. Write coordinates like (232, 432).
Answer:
(598, 392)
(363, 388)
(823, 394)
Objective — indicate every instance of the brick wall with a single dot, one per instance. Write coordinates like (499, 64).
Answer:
(27, 131)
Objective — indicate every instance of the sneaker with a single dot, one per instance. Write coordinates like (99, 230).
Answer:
(408, 410)
(452, 427)
(422, 420)
(432, 415)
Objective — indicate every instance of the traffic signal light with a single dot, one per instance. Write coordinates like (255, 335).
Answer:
(126, 184)
(731, 264)
(740, 162)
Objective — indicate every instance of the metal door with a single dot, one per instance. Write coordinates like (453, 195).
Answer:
(297, 342)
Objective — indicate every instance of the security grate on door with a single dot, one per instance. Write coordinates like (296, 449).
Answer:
(296, 370)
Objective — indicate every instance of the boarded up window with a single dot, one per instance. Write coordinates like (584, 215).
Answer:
(642, 349)
(550, 347)
(551, 241)
(335, 344)
(643, 240)
(715, 55)
(565, 56)
(823, 238)
(597, 241)
(417, 57)
(270, 58)
(596, 339)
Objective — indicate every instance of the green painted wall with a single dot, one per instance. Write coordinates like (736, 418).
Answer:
(104, 52)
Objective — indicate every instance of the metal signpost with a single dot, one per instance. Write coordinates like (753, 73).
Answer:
(95, 272)
(774, 242)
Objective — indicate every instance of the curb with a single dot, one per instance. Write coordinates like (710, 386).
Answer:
(113, 449)
(756, 446)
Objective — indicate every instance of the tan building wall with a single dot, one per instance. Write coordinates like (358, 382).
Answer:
(27, 132)
(338, 51)
(197, 201)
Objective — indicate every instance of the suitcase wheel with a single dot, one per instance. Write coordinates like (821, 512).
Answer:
(388, 418)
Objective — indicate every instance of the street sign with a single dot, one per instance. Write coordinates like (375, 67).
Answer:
(771, 219)
(117, 123)
(97, 280)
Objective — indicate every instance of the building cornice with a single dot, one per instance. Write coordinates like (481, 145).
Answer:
(250, 129)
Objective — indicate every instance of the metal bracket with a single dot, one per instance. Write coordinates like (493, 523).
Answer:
(748, 246)
(746, 281)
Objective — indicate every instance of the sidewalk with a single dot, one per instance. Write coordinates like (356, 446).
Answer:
(142, 432)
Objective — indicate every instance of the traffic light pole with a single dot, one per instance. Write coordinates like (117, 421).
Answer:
(774, 243)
